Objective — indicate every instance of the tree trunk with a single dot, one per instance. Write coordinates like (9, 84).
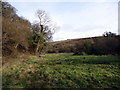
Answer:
(37, 48)
(16, 46)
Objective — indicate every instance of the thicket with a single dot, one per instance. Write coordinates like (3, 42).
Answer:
(100, 46)
(107, 44)
(21, 36)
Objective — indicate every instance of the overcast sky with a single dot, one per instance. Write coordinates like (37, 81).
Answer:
(78, 19)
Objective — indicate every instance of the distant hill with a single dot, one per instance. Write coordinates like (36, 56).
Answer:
(71, 42)
(99, 44)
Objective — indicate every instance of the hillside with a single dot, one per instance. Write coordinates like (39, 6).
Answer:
(74, 41)
(100, 43)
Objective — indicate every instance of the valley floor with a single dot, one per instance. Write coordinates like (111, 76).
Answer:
(63, 71)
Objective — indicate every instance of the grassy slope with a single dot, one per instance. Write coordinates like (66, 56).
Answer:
(64, 71)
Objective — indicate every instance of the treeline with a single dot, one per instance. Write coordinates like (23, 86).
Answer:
(109, 43)
(21, 36)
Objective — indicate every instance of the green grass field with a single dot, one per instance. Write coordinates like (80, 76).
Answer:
(64, 71)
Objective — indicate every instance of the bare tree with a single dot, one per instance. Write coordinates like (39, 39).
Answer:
(43, 17)
(42, 30)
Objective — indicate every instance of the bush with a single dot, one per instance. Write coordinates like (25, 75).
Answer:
(99, 46)
(51, 51)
